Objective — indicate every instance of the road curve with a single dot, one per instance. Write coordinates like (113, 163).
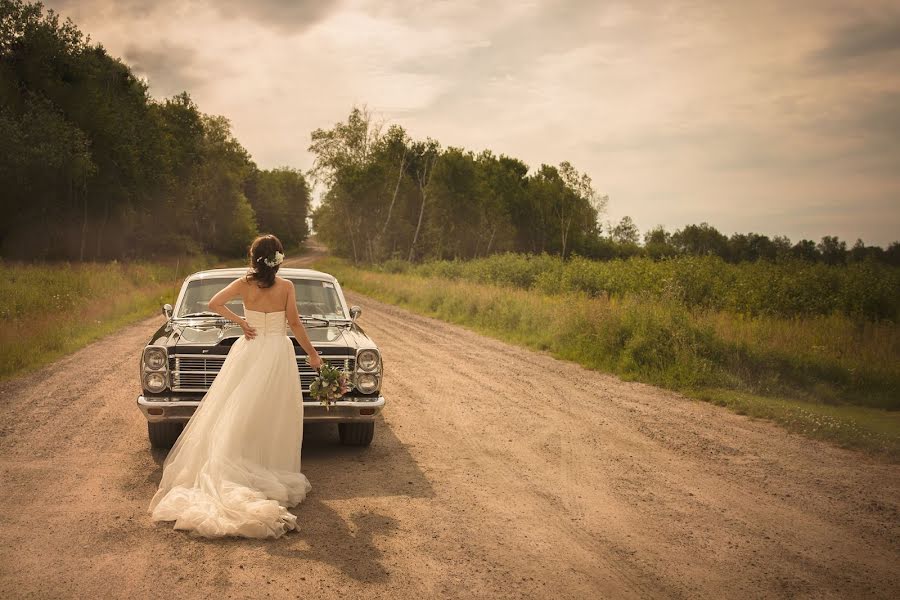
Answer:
(496, 472)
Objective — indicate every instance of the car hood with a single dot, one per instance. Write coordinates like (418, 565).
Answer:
(207, 334)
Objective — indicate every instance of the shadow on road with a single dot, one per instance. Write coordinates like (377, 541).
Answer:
(338, 472)
(332, 540)
(323, 535)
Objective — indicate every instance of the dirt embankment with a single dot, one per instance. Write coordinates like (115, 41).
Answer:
(496, 472)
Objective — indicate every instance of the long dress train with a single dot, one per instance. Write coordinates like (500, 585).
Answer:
(235, 469)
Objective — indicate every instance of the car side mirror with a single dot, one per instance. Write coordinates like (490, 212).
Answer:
(167, 310)
(355, 311)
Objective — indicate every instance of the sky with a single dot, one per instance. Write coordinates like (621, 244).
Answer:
(774, 117)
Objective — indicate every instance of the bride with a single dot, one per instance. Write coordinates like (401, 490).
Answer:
(235, 469)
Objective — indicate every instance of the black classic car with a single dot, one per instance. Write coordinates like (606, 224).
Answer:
(184, 355)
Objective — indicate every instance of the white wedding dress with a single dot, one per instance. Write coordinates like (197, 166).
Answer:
(235, 469)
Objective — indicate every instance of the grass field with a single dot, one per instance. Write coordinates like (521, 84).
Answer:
(790, 288)
(51, 309)
(829, 376)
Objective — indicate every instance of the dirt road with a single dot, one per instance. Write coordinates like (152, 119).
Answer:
(496, 472)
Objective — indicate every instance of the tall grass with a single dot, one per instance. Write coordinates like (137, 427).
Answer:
(831, 376)
(50, 309)
(865, 290)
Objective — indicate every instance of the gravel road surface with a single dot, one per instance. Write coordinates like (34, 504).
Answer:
(496, 472)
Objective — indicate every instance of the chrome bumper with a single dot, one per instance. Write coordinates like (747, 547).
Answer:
(157, 410)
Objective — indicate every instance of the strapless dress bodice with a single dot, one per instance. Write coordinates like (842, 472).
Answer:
(267, 323)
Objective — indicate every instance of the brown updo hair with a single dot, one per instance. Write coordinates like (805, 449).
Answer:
(263, 248)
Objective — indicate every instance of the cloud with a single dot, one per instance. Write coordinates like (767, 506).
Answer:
(875, 128)
(286, 15)
(861, 40)
(169, 68)
(289, 16)
(121, 9)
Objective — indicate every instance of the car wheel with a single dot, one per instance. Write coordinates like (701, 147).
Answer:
(164, 435)
(356, 434)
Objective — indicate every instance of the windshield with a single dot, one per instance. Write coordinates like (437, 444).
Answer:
(315, 298)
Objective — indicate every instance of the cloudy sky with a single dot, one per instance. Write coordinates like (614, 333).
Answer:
(776, 117)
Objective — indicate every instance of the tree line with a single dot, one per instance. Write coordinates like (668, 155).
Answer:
(388, 197)
(705, 240)
(91, 167)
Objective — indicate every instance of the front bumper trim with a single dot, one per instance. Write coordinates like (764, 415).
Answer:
(158, 409)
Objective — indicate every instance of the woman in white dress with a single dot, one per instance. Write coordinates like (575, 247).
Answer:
(235, 469)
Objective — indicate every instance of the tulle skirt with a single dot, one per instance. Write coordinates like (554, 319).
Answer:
(235, 469)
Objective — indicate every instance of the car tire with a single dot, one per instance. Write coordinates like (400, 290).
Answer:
(164, 435)
(356, 434)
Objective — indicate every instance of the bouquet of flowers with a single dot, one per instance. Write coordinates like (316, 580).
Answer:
(329, 385)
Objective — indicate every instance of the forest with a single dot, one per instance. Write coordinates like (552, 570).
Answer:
(391, 197)
(93, 168)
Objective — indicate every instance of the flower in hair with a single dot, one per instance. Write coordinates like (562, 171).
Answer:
(272, 262)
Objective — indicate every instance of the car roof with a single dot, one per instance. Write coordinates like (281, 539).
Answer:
(287, 273)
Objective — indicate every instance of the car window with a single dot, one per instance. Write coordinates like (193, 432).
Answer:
(315, 298)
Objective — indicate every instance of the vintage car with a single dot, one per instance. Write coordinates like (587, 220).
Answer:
(184, 355)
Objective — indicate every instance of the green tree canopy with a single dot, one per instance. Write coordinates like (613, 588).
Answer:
(92, 167)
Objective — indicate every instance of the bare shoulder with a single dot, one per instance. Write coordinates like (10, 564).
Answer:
(284, 282)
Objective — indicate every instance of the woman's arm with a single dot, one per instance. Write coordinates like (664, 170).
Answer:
(217, 305)
(293, 318)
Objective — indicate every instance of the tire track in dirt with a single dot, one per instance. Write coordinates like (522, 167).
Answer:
(504, 469)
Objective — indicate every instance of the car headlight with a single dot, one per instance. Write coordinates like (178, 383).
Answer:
(155, 382)
(155, 358)
(367, 360)
(366, 383)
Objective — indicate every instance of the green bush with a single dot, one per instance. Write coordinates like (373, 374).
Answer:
(865, 290)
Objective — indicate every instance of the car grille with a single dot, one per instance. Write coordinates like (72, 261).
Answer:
(192, 373)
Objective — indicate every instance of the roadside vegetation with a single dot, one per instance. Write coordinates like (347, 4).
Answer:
(52, 309)
(790, 288)
(830, 374)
